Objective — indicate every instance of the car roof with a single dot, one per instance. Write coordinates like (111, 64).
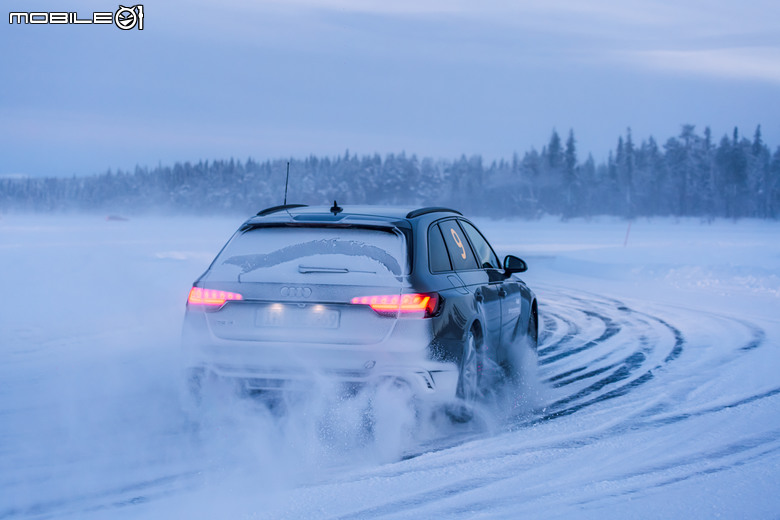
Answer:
(346, 214)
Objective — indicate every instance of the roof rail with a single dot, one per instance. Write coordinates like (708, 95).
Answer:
(274, 209)
(431, 209)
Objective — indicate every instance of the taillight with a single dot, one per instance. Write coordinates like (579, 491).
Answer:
(408, 305)
(211, 298)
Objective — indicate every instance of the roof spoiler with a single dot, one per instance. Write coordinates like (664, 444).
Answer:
(274, 209)
(430, 209)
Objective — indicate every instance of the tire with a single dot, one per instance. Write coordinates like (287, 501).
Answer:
(193, 389)
(533, 332)
(203, 388)
(469, 389)
(518, 354)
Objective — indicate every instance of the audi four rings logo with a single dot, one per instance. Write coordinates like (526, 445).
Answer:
(124, 18)
(296, 292)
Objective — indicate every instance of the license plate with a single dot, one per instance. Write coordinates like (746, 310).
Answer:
(284, 316)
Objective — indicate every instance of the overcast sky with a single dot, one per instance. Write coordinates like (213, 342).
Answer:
(275, 79)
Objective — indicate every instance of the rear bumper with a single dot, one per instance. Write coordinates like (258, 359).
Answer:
(272, 365)
(429, 384)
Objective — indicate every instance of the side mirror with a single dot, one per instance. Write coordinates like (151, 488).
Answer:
(512, 265)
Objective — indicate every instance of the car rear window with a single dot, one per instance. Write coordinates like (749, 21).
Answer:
(461, 255)
(341, 255)
(438, 258)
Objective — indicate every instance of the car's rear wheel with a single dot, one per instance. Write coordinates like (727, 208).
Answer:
(468, 380)
(193, 388)
(469, 388)
(203, 388)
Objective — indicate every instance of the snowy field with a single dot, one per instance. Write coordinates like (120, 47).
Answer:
(658, 393)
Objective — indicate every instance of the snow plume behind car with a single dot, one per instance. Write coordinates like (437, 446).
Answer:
(91, 400)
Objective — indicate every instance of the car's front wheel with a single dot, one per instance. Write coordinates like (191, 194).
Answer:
(521, 355)
(533, 331)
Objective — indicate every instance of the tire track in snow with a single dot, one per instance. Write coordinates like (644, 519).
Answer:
(615, 350)
(633, 337)
(640, 335)
(122, 496)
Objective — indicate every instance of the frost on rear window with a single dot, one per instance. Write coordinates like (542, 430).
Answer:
(311, 254)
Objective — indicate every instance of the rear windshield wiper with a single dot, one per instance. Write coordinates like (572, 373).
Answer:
(307, 269)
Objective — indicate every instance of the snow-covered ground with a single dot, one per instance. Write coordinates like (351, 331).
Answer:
(659, 394)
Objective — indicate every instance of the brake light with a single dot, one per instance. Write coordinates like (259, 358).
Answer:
(211, 297)
(424, 305)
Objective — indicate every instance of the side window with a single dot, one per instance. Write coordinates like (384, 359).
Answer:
(485, 255)
(458, 246)
(438, 259)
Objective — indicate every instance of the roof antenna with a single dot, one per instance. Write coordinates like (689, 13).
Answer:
(336, 209)
(286, 181)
